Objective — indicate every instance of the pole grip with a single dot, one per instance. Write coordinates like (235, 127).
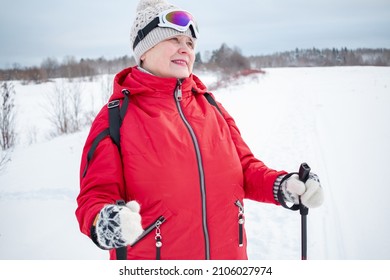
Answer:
(304, 171)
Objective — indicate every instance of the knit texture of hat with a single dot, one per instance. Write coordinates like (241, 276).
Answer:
(147, 10)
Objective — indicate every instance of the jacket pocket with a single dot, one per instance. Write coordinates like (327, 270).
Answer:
(156, 227)
(240, 221)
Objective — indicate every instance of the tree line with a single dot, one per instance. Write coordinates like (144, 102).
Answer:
(69, 68)
(324, 57)
(226, 60)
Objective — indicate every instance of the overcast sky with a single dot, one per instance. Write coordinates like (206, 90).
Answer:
(31, 31)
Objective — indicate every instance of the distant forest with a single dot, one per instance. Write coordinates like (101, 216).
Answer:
(324, 57)
(226, 60)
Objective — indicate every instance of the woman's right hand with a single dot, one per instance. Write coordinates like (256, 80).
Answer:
(118, 226)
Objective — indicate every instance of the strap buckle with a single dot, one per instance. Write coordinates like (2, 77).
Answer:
(113, 104)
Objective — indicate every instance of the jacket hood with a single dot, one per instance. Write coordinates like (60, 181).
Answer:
(139, 82)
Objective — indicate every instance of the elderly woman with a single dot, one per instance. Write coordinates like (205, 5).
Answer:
(175, 187)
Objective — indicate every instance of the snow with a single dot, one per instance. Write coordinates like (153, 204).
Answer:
(335, 119)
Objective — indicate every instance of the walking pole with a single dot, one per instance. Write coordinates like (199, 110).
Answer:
(304, 171)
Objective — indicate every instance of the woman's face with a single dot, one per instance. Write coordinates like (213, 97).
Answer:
(172, 58)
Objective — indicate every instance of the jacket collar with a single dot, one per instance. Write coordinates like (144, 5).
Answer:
(141, 82)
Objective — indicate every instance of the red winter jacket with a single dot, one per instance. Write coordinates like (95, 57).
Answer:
(183, 161)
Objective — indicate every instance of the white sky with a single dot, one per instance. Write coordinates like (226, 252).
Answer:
(33, 30)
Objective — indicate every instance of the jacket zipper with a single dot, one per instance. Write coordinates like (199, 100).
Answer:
(156, 225)
(241, 221)
(158, 239)
(178, 98)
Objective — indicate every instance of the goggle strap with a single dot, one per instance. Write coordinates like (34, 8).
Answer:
(145, 31)
(149, 27)
(192, 28)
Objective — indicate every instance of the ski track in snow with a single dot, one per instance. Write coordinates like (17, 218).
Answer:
(335, 119)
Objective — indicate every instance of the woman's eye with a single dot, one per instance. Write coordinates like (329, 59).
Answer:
(174, 39)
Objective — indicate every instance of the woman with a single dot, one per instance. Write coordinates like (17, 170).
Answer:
(182, 169)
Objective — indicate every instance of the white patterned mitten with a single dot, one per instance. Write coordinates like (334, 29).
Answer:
(311, 193)
(118, 226)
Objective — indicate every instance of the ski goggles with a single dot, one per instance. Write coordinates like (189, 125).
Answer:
(176, 19)
(179, 20)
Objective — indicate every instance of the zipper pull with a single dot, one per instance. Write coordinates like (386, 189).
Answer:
(178, 92)
(158, 238)
(241, 221)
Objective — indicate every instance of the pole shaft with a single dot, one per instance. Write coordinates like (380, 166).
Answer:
(303, 237)
(304, 172)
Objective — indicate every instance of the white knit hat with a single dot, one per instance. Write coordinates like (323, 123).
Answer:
(148, 10)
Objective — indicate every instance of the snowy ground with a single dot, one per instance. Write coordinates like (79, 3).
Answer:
(335, 119)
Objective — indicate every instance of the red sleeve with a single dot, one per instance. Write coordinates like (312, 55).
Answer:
(258, 178)
(103, 181)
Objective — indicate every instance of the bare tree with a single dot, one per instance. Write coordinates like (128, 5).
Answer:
(106, 87)
(229, 60)
(75, 103)
(7, 116)
(50, 66)
(58, 109)
(64, 107)
(4, 159)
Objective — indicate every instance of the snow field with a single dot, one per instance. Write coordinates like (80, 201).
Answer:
(335, 119)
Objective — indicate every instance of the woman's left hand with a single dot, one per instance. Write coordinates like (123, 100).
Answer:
(310, 193)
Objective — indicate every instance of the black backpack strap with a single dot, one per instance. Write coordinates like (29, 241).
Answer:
(116, 115)
(114, 121)
(94, 145)
(212, 101)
